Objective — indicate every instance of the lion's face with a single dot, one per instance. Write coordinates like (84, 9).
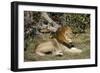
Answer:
(64, 34)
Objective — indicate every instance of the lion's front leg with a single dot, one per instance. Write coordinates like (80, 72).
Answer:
(75, 50)
(71, 49)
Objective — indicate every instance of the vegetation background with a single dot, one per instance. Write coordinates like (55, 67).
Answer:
(36, 31)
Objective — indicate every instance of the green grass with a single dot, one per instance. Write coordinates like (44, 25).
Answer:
(81, 41)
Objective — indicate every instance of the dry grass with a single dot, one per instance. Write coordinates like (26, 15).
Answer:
(81, 41)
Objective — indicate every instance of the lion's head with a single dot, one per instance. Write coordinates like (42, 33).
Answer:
(64, 35)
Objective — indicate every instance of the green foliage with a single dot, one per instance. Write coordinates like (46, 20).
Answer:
(78, 22)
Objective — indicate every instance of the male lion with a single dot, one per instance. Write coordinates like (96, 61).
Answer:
(61, 43)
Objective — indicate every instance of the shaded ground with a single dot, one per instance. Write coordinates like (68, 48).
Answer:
(81, 41)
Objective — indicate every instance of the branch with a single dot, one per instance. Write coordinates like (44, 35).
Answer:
(46, 17)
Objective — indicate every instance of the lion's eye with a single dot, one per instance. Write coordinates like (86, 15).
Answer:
(68, 33)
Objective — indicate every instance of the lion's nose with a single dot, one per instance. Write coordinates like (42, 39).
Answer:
(71, 44)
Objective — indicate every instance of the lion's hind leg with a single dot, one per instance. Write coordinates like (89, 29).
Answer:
(58, 53)
(40, 53)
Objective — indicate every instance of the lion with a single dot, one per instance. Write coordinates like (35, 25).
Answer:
(62, 42)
